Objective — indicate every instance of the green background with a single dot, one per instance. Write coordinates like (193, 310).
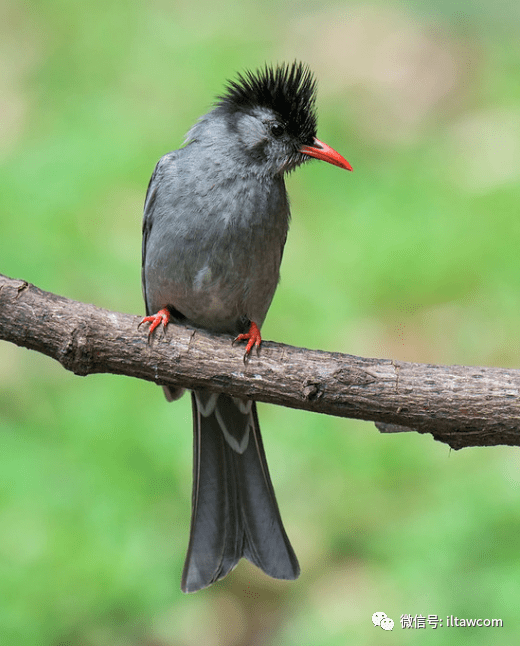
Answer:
(414, 256)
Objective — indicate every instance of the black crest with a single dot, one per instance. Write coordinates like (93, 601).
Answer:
(288, 90)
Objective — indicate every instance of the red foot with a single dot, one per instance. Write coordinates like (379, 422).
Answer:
(252, 337)
(156, 319)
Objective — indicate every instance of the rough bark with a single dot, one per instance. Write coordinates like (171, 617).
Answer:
(459, 405)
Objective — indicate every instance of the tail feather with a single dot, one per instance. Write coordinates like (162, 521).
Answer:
(234, 509)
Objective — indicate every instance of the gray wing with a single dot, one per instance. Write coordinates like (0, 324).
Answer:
(149, 209)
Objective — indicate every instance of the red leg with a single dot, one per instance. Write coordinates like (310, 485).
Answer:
(252, 337)
(156, 319)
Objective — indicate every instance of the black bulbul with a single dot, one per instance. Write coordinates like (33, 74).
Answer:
(215, 222)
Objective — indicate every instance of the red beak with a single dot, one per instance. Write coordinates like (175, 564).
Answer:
(319, 150)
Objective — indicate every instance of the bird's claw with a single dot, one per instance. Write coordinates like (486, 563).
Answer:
(162, 316)
(253, 338)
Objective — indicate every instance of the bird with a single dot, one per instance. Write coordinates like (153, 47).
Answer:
(215, 222)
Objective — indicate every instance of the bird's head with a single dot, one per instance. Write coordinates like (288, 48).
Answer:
(272, 121)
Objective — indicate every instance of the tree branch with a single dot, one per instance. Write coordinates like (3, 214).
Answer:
(462, 406)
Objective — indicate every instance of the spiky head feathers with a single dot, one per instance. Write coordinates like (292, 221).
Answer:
(288, 90)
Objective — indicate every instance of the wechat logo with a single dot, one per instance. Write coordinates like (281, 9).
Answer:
(380, 619)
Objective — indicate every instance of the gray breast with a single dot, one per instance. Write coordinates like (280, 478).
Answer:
(215, 242)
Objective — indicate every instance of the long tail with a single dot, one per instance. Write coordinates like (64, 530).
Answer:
(234, 509)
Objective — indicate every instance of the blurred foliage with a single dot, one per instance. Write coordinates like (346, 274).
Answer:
(414, 256)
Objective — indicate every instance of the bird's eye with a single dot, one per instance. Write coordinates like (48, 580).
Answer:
(277, 130)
